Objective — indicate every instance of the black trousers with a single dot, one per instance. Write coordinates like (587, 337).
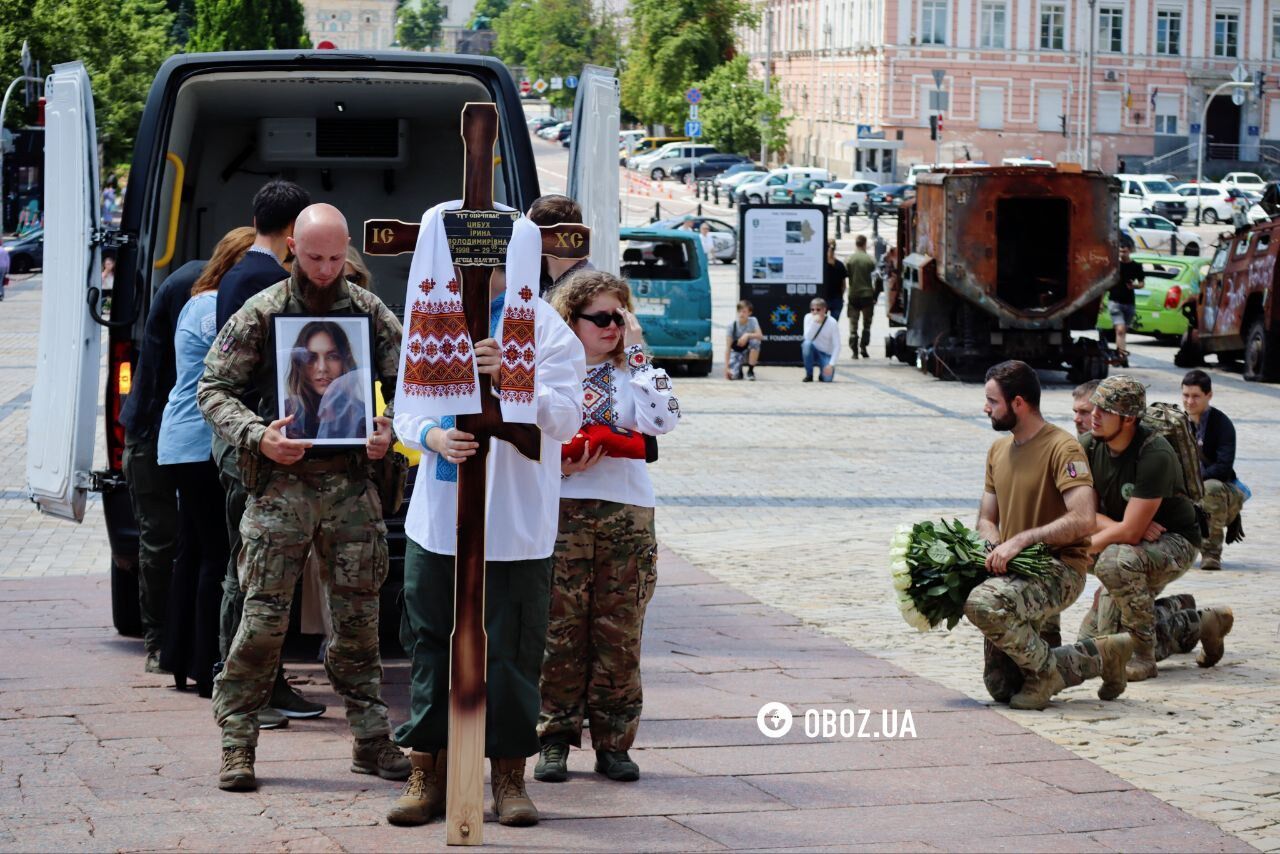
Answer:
(517, 601)
(195, 593)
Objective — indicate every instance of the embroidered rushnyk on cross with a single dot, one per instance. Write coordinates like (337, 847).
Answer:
(447, 305)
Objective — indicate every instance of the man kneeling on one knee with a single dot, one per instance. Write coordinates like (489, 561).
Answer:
(1037, 491)
(1146, 537)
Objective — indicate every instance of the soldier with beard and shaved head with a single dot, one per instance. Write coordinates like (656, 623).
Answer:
(301, 501)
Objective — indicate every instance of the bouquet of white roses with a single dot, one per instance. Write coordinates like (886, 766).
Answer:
(935, 566)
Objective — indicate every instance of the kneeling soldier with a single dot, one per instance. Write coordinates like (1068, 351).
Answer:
(1146, 536)
(1037, 491)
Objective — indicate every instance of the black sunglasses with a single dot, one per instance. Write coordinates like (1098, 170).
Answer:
(603, 318)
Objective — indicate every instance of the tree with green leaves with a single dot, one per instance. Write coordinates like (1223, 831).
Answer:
(555, 38)
(486, 12)
(419, 29)
(230, 25)
(672, 45)
(288, 25)
(733, 104)
(120, 42)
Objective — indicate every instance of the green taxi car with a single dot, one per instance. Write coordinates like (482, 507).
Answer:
(667, 270)
(798, 192)
(1169, 283)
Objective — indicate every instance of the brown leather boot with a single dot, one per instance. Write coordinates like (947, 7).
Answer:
(379, 755)
(1142, 665)
(1115, 651)
(236, 774)
(424, 793)
(1215, 623)
(1037, 689)
(510, 800)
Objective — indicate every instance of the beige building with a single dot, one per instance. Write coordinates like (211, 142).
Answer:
(1014, 79)
(351, 24)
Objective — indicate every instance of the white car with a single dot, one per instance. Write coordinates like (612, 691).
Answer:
(1245, 181)
(844, 196)
(757, 190)
(1216, 202)
(729, 182)
(552, 131)
(1159, 234)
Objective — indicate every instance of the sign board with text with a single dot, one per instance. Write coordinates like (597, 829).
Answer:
(781, 266)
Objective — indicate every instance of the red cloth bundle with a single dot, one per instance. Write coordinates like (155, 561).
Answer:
(616, 441)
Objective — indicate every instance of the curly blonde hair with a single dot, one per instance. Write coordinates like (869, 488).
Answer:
(578, 290)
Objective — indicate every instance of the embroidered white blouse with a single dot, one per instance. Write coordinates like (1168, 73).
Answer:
(524, 496)
(638, 397)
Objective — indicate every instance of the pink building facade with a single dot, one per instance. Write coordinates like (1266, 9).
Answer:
(1014, 79)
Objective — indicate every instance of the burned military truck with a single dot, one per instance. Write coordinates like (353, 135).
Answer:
(1004, 263)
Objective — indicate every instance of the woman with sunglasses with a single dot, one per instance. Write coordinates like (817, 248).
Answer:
(604, 567)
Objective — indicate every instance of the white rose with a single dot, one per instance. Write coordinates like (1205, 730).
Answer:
(919, 622)
(898, 552)
(901, 582)
(905, 529)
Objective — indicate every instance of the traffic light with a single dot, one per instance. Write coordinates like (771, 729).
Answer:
(1063, 119)
(1259, 83)
(933, 126)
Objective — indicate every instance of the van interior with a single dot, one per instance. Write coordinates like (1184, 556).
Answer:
(656, 258)
(356, 141)
(1033, 237)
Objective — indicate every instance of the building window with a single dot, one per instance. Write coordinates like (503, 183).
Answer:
(1226, 34)
(1166, 110)
(1275, 37)
(994, 16)
(1053, 18)
(1111, 29)
(990, 108)
(933, 22)
(1169, 32)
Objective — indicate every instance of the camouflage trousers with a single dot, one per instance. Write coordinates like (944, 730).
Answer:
(1132, 577)
(1017, 616)
(310, 505)
(603, 577)
(1222, 502)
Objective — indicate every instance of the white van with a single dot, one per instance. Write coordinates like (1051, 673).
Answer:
(756, 190)
(659, 164)
(1151, 194)
(374, 133)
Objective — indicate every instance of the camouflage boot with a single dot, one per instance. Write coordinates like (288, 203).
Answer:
(511, 801)
(1215, 624)
(237, 770)
(1037, 689)
(379, 755)
(1142, 665)
(1115, 651)
(423, 797)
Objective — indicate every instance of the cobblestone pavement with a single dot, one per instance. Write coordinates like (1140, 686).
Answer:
(790, 493)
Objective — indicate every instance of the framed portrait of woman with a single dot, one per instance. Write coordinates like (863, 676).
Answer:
(324, 377)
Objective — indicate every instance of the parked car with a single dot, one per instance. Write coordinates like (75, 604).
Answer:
(884, 200)
(1245, 181)
(667, 271)
(26, 253)
(565, 131)
(1151, 194)
(797, 192)
(648, 145)
(1217, 202)
(723, 235)
(1169, 283)
(707, 166)
(845, 195)
(756, 190)
(736, 169)
(537, 123)
(553, 131)
(659, 164)
(737, 179)
(1159, 234)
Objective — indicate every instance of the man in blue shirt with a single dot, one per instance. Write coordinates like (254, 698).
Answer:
(275, 207)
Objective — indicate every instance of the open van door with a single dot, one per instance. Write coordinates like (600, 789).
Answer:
(64, 399)
(593, 162)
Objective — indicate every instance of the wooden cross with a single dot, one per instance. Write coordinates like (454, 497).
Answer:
(478, 237)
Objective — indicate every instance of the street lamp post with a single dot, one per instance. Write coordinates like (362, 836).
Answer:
(1088, 92)
(768, 72)
(1204, 115)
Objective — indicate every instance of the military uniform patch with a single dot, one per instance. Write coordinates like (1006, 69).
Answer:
(1077, 468)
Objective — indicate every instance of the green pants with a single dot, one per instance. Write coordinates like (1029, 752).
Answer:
(1132, 576)
(227, 458)
(515, 620)
(604, 576)
(154, 497)
(1222, 502)
(340, 517)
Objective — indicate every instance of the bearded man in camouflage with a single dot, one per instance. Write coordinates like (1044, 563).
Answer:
(301, 500)
(1146, 537)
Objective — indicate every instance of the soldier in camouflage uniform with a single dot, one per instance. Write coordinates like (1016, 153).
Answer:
(1037, 491)
(604, 568)
(300, 500)
(1146, 536)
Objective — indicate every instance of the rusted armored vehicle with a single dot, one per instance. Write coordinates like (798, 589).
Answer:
(1236, 316)
(1004, 263)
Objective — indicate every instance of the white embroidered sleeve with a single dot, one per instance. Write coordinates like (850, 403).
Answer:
(656, 408)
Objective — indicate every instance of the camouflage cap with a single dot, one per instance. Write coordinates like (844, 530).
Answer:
(1121, 394)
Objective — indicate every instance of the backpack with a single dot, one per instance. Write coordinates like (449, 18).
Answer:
(1168, 420)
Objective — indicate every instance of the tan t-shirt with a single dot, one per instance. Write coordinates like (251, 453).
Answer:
(1028, 481)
